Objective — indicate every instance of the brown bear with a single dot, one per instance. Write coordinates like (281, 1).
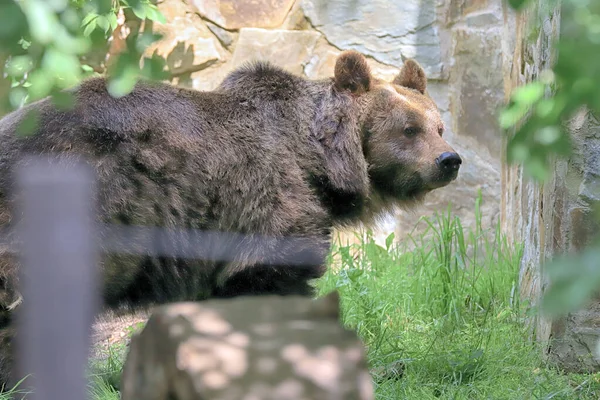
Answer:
(266, 153)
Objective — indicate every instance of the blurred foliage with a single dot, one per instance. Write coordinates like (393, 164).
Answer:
(50, 45)
(536, 120)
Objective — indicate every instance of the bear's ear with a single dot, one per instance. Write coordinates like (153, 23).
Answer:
(412, 76)
(352, 73)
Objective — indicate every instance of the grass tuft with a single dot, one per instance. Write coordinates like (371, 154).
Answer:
(441, 316)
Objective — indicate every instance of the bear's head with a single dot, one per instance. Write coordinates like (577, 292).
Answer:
(401, 128)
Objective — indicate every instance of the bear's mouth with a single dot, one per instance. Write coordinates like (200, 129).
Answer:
(442, 180)
(397, 185)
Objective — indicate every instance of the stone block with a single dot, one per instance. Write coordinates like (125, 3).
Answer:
(291, 50)
(237, 14)
(187, 44)
(477, 87)
(225, 37)
(267, 348)
(387, 30)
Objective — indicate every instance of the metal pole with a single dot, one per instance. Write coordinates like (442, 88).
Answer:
(58, 278)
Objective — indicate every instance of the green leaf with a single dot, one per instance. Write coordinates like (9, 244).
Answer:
(114, 23)
(155, 68)
(519, 152)
(124, 83)
(389, 241)
(573, 279)
(42, 20)
(103, 23)
(89, 18)
(145, 40)
(89, 28)
(71, 19)
(65, 67)
(63, 100)
(18, 66)
(548, 135)
(537, 168)
(154, 14)
(17, 97)
(58, 5)
(69, 44)
(529, 94)
(510, 116)
(139, 10)
(29, 124)
(13, 22)
(545, 108)
(41, 83)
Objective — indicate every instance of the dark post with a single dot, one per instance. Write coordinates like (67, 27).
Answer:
(58, 277)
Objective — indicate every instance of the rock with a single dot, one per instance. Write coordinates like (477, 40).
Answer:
(296, 20)
(576, 347)
(483, 20)
(291, 50)
(477, 87)
(387, 30)
(462, 8)
(207, 79)
(237, 14)
(187, 44)
(172, 9)
(322, 61)
(226, 38)
(267, 348)
(324, 57)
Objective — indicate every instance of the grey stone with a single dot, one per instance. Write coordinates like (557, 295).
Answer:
(291, 50)
(225, 37)
(268, 348)
(386, 30)
(324, 56)
(296, 20)
(477, 86)
(236, 14)
(483, 20)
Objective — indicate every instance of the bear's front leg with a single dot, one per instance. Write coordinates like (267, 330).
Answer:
(292, 266)
(270, 280)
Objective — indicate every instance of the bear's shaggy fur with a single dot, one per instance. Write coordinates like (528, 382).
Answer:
(266, 153)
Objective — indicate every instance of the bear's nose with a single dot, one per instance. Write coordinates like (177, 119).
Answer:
(449, 161)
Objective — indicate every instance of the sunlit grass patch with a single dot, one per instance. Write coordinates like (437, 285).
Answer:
(441, 318)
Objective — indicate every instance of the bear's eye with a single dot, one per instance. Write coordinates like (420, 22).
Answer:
(441, 131)
(411, 131)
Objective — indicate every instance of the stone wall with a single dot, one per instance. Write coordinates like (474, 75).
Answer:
(458, 42)
(555, 217)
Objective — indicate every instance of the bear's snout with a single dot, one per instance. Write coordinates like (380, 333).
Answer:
(449, 163)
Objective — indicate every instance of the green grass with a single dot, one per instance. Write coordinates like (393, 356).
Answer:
(441, 318)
